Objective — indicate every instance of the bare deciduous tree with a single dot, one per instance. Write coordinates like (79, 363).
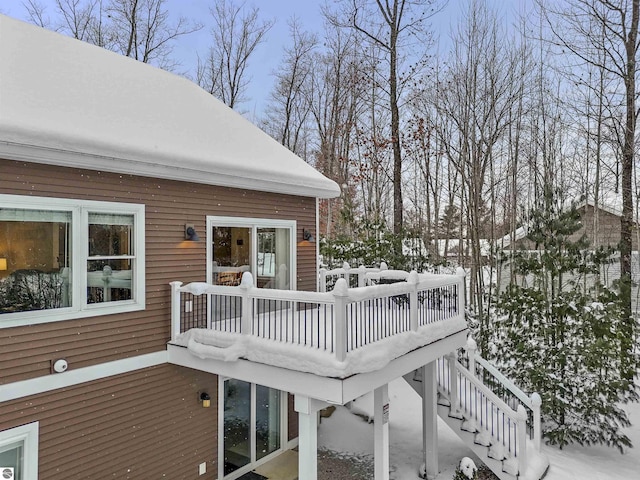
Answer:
(389, 24)
(290, 101)
(140, 29)
(577, 27)
(236, 33)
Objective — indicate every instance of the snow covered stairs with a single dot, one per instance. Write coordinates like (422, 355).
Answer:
(502, 430)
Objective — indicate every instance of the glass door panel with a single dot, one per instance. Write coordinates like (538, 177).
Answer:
(274, 258)
(231, 254)
(267, 421)
(237, 425)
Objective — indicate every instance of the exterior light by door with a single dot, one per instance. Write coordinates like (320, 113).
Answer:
(3, 263)
(205, 399)
(190, 233)
(307, 236)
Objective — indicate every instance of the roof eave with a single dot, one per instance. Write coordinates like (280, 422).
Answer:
(150, 169)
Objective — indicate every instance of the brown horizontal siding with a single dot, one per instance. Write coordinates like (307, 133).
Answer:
(130, 426)
(26, 352)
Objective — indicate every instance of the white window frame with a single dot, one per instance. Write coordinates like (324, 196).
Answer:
(28, 436)
(254, 224)
(79, 254)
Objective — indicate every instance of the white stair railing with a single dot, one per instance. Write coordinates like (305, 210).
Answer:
(494, 423)
(499, 414)
(507, 391)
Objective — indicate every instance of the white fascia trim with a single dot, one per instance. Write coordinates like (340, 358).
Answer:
(34, 386)
(152, 168)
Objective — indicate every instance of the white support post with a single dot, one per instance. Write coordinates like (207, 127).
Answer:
(307, 409)
(462, 295)
(340, 294)
(361, 274)
(522, 440)
(245, 285)
(471, 347)
(412, 280)
(453, 383)
(347, 272)
(323, 280)
(175, 309)
(536, 404)
(381, 432)
(430, 420)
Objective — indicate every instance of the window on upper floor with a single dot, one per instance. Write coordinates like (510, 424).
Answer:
(62, 259)
(19, 452)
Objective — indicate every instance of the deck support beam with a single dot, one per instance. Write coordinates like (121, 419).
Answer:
(430, 420)
(307, 409)
(381, 432)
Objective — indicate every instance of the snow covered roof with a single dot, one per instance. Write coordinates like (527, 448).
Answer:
(65, 102)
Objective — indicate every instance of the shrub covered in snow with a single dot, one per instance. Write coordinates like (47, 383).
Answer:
(375, 244)
(561, 333)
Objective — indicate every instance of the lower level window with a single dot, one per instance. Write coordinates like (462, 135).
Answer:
(19, 452)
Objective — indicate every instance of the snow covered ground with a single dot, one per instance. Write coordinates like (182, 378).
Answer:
(351, 435)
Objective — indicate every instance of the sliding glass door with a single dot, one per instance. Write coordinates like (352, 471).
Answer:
(252, 421)
(261, 246)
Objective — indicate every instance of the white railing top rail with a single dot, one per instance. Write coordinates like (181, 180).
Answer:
(486, 391)
(347, 269)
(529, 401)
(419, 282)
(200, 288)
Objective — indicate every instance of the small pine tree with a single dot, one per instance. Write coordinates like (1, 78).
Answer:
(559, 333)
(374, 243)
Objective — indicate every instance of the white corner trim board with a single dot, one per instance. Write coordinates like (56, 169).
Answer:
(34, 386)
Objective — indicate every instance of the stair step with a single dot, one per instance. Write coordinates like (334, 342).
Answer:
(480, 450)
(477, 439)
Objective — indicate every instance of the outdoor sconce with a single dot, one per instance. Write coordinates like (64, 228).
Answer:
(205, 399)
(307, 236)
(190, 233)
(3, 263)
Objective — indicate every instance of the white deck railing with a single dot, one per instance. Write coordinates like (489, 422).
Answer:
(337, 322)
(355, 277)
(501, 415)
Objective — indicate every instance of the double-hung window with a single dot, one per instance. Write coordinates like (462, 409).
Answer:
(63, 259)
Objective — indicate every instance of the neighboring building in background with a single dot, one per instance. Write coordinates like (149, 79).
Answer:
(601, 226)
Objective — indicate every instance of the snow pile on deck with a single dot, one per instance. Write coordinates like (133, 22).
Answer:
(230, 347)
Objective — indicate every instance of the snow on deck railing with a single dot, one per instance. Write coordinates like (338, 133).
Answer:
(355, 277)
(498, 422)
(337, 322)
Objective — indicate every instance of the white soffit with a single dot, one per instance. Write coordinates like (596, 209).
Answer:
(65, 102)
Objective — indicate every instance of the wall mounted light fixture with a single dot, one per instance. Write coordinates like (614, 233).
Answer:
(190, 233)
(3, 263)
(205, 399)
(307, 236)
